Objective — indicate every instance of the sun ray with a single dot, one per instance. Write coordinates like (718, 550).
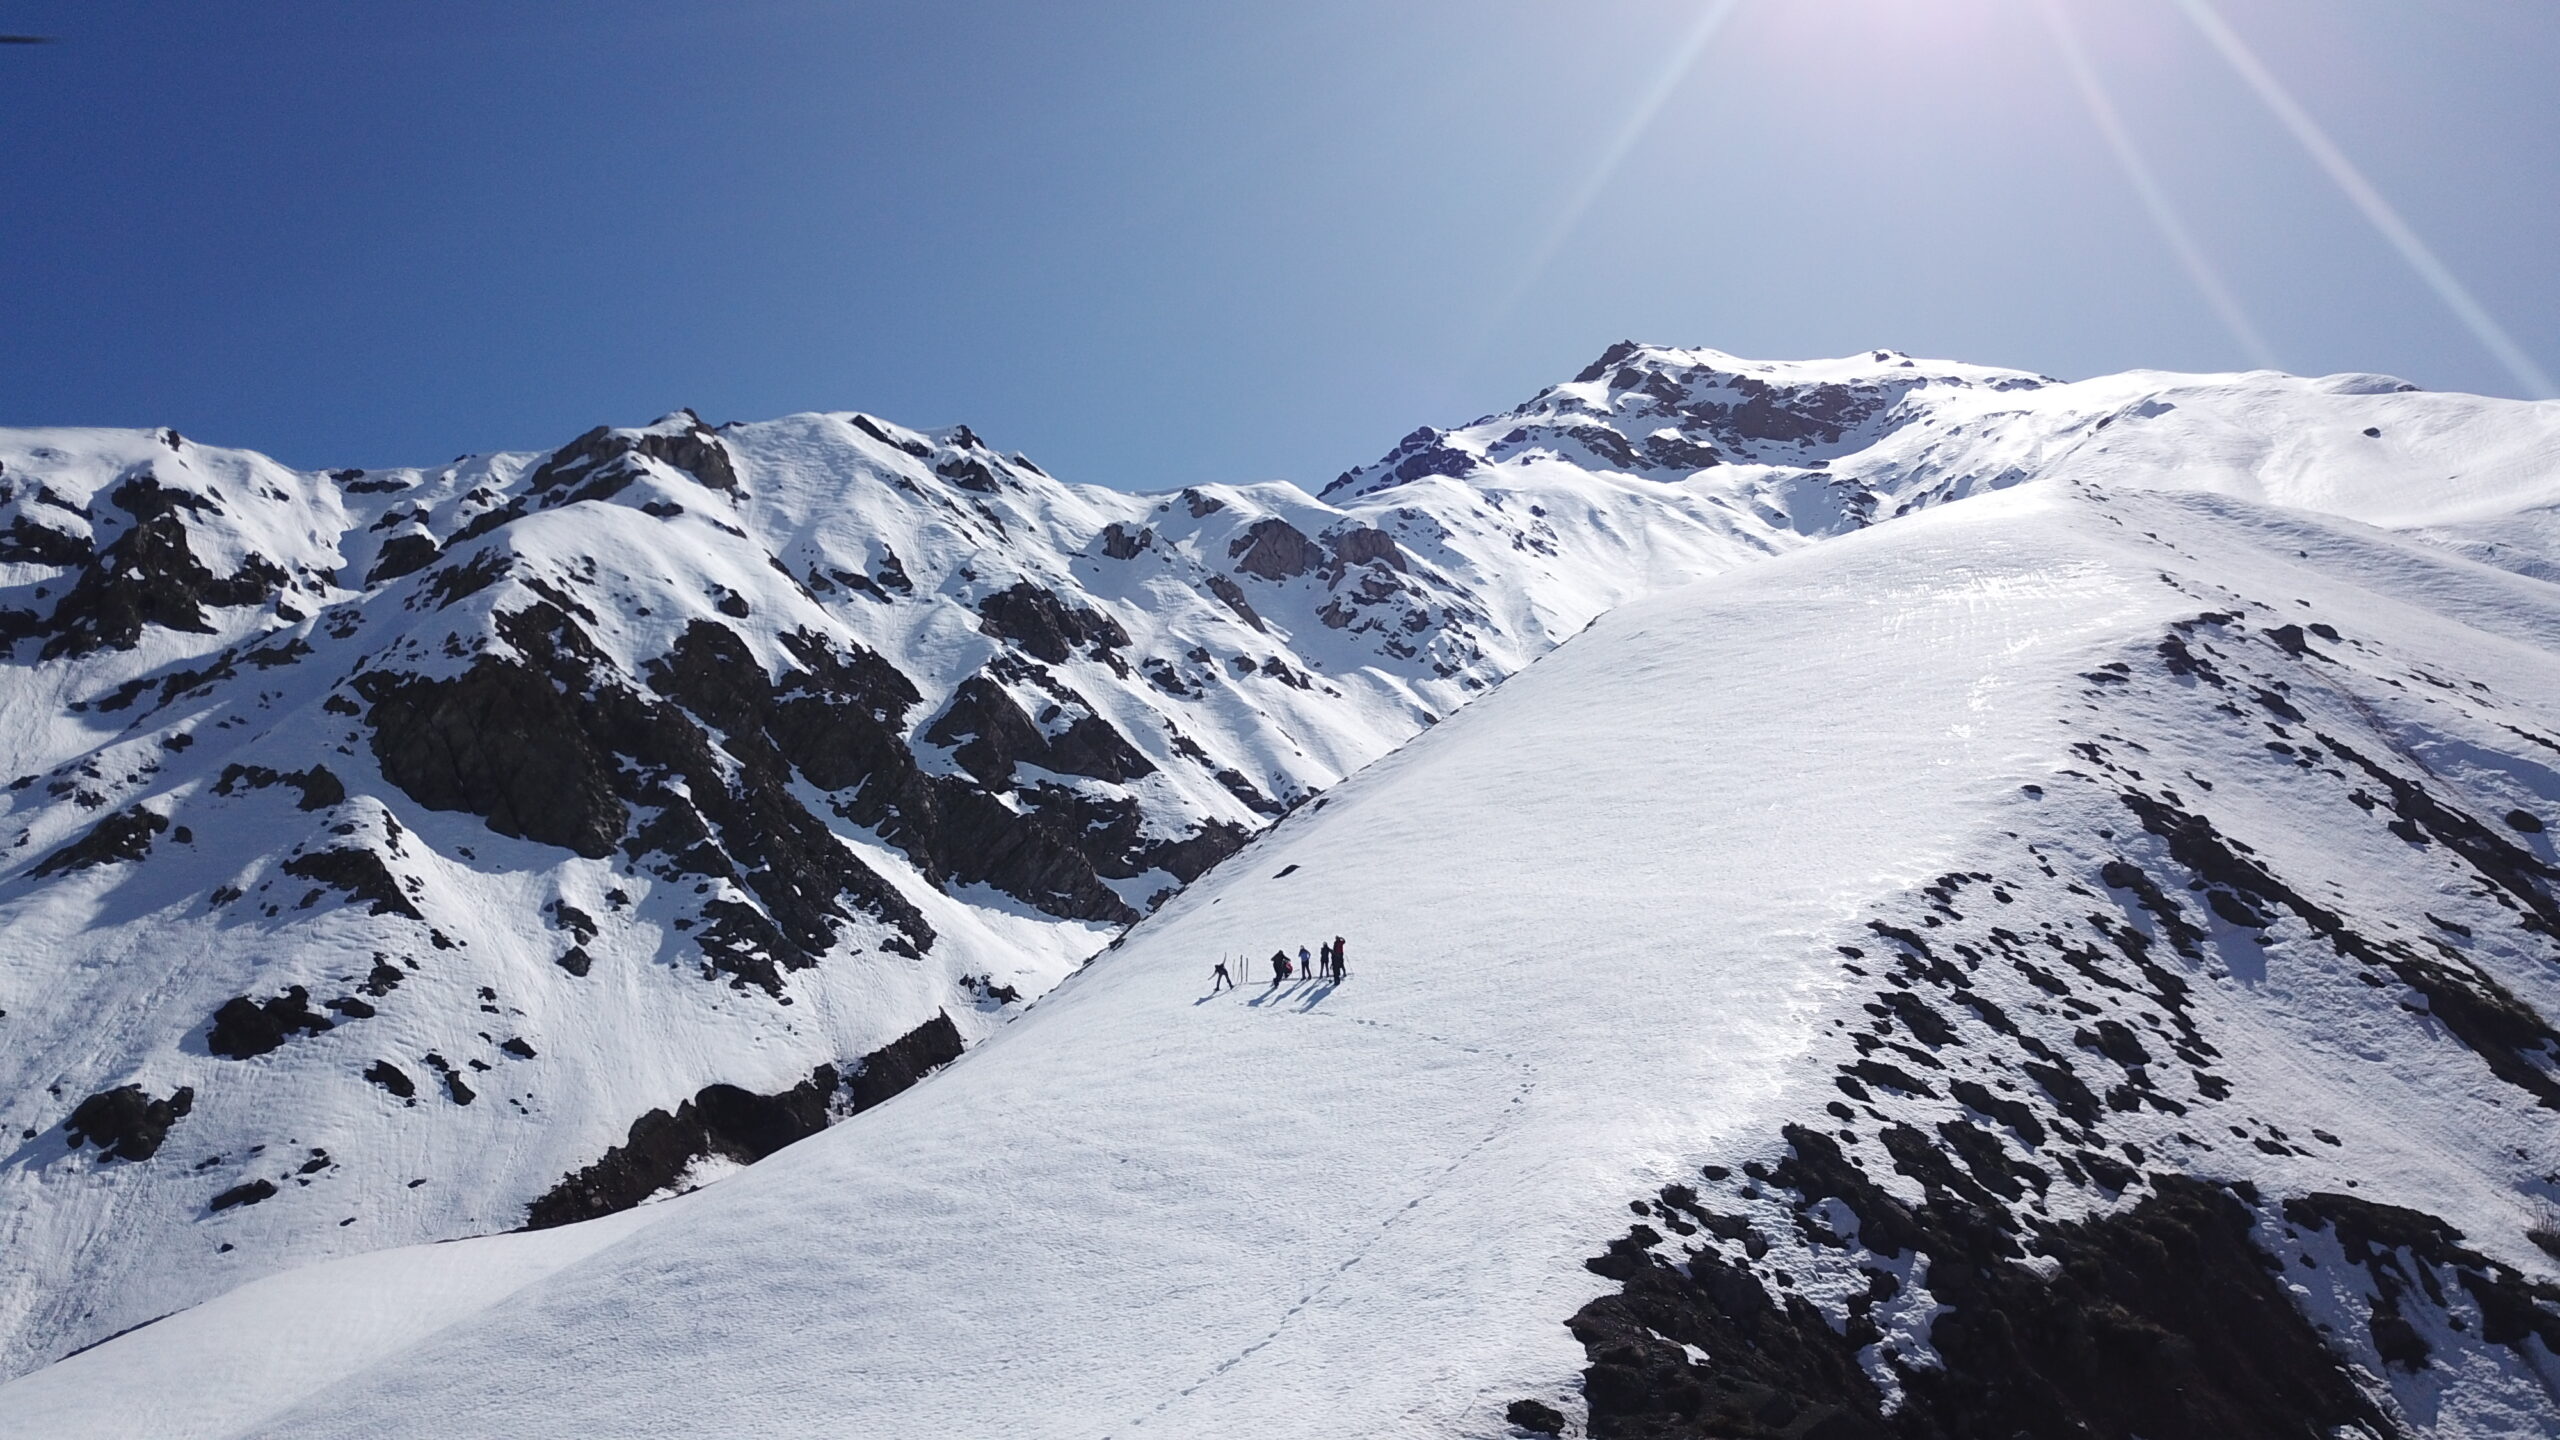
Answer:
(1604, 168)
(2438, 277)
(2155, 199)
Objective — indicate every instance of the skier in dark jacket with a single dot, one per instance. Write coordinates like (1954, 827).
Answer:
(1219, 979)
(1340, 967)
(1279, 968)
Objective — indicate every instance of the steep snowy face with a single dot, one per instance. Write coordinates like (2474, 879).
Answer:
(2073, 960)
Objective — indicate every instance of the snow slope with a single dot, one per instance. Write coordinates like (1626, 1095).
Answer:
(1769, 851)
(1618, 909)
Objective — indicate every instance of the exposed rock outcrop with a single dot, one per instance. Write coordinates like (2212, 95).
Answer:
(127, 1122)
(1274, 549)
(1047, 627)
(150, 575)
(244, 1027)
(123, 836)
(726, 1122)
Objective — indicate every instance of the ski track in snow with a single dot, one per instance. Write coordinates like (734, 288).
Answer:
(1511, 1120)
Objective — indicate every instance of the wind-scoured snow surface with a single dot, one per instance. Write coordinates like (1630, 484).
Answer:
(2159, 838)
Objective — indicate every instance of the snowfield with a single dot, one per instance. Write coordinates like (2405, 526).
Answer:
(2076, 868)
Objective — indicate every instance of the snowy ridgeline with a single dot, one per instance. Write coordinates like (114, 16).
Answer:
(724, 781)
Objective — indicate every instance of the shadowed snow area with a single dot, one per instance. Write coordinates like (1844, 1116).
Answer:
(1593, 921)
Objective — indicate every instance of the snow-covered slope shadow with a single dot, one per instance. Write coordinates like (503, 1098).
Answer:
(1923, 929)
(225, 1366)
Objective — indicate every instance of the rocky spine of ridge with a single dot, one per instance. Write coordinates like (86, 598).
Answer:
(2029, 1208)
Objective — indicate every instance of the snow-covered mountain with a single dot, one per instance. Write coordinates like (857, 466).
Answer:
(2144, 862)
(408, 854)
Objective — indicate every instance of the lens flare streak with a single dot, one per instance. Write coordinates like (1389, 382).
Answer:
(1604, 168)
(2155, 199)
(2474, 317)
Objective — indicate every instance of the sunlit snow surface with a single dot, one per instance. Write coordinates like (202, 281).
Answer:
(1592, 923)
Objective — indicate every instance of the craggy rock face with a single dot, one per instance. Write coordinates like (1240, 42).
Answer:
(501, 742)
(147, 576)
(1275, 550)
(1366, 545)
(2164, 1319)
(123, 836)
(1047, 627)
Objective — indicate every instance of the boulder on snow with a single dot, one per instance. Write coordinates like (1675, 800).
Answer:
(358, 872)
(1535, 1416)
(244, 1027)
(126, 1122)
(1120, 544)
(247, 1194)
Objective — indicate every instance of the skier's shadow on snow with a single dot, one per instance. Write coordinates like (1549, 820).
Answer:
(1310, 993)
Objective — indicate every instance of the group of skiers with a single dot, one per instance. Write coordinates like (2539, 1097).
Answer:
(1326, 965)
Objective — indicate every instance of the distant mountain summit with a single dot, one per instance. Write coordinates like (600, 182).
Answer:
(403, 855)
(1645, 410)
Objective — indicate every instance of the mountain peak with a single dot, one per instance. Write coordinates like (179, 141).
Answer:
(1664, 414)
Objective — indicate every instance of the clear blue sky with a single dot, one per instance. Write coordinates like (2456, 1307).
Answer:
(1157, 243)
